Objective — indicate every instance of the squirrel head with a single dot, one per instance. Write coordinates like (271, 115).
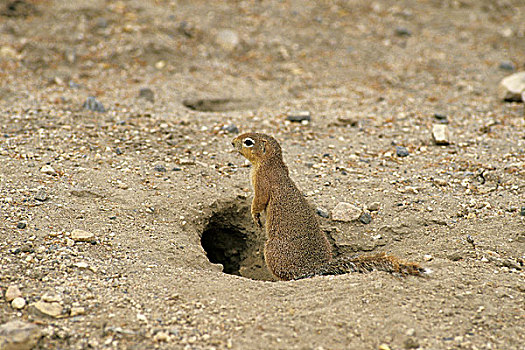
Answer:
(256, 147)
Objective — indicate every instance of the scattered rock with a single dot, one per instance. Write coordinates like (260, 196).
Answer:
(227, 39)
(12, 292)
(345, 212)
(81, 265)
(322, 212)
(401, 151)
(21, 225)
(374, 206)
(441, 134)
(161, 337)
(427, 257)
(411, 343)
(8, 52)
(365, 217)
(94, 105)
(159, 168)
(511, 87)
(52, 309)
(77, 310)
(18, 303)
(18, 335)
(507, 65)
(48, 170)
(299, 116)
(511, 264)
(402, 31)
(455, 256)
(231, 129)
(187, 161)
(147, 94)
(442, 118)
(220, 104)
(51, 298)
(347, 120)
(41, 195)
(82, 236)
(522, 211)
(19, 8)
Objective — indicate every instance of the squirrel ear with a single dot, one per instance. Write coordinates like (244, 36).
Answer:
(263, 146)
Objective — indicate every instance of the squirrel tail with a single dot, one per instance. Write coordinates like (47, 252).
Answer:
(369, 263)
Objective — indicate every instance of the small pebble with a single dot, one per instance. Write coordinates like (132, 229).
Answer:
(441, 118)
(231, 129)
(411, 343)
(402, 31)
(12, 293)
(18, 303)
(365, 218)
(81, 235)
(48, 170)
(374, 206)
(228, 39)
(147, 94)
(299, 116)
(441, 134)
(511, 87)
(401, 151)
(322, 212)
(455, 256)
(345, 212)
(41, 195)
(21, 225)
(187, 161)
(522, 211)
(507, 65)
(160, 168)
(161, 337)
(94, 105)
(77, 310)
(52, 309)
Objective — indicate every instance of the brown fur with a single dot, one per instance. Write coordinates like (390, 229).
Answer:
(296, 247)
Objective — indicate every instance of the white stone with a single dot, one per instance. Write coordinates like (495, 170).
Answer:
(81, 235)
(18, 303)
(53, 309)
(441, 134)
(228, 39)
(511, 87)
(345, 212)
(48, 169)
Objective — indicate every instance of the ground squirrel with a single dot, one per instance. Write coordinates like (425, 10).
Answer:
(296, 247)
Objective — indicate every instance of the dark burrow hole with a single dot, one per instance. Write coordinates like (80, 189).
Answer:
(230, 239)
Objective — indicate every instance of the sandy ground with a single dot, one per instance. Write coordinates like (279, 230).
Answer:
(154, 179)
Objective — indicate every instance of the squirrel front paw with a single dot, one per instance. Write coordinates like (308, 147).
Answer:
(257, 219)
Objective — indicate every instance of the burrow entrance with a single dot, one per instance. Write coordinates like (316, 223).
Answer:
(231, 239)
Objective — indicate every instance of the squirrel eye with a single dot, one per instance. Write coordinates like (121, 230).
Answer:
(248, 142)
